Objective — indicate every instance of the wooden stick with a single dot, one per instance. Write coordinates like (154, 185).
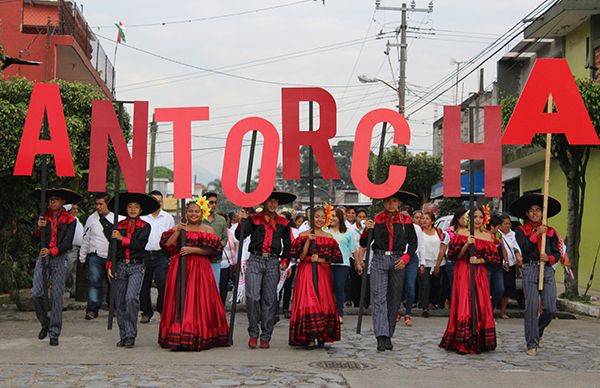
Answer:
(546, 190)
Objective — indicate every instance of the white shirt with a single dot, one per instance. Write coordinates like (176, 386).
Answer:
(431, 250)
(78, 238)
(158, 225)
(230, 249)
(511, 245)
(94, 240)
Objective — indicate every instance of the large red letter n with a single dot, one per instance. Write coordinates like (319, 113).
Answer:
(106, 125)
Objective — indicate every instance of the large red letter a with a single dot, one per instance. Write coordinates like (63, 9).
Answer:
(550, 77)
(45, 97)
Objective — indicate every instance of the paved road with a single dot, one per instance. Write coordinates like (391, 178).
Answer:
(87, 357)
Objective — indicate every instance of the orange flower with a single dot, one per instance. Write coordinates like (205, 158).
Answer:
(328, 212)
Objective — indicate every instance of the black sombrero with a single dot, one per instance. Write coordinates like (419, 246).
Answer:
(282, 197)
(69, 196)
(148, 203)
(405, 196)
(520, 206)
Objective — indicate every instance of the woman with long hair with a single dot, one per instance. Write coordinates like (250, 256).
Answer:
(432, 241)
(203, 323)
(471, 250)
(515, 261)
(346, 242)
(314, 314)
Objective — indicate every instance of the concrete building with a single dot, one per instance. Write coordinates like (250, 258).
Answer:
(70, 51)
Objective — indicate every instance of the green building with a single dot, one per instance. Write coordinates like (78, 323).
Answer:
(570, 29)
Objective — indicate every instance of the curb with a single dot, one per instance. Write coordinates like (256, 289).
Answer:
(578, 308)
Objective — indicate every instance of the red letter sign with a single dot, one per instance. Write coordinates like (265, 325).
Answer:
(293, 138)
(550, 77)
(45, 97)
(490, 151)
(104, 125)
(362, 147)
(268, 164)
(182, 144)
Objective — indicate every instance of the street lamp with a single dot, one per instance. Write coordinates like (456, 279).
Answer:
(368, 80)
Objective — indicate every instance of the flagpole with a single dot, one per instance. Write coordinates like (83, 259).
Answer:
(114, 69)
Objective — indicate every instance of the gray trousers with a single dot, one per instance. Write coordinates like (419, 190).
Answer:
(386, 293)
(56, 271)
(262, 276)
(534, 326)
(127, 283)
(71, 278)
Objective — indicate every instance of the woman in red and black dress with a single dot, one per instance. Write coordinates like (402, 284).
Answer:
(459, 335)
(314, 316)
(204, 323)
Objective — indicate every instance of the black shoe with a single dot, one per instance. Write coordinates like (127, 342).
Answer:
(121, 343)
(381, 343)
(43, 333)
(320, 344)
(145, 319)
(287, 314)
(129, 343)
(388, 344)
(53, 341)
(425, 314)
(90, 315)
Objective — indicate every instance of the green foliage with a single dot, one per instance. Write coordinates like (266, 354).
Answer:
(17, 208)
(422, 170)
(508, 106)
(162, 172)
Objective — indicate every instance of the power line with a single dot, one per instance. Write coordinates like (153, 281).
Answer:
(440, 84)
(217, 72)
(207, 17)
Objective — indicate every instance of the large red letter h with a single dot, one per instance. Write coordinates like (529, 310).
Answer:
(490, 151)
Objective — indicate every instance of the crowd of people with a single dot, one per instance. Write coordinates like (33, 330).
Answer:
(311, 265)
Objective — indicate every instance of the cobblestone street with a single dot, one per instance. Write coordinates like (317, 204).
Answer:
(87, 357)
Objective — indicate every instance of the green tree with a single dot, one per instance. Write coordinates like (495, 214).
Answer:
(162, 172)
(573, 161)
(422, 170)
(17, 209)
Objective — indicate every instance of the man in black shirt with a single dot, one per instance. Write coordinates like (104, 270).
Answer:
(394, 242)
(269, 249)
(529, 238)
(131, 237)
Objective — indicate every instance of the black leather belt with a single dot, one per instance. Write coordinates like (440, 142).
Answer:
(264, 255)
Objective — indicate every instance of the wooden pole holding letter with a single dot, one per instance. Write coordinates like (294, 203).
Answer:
(546, 193)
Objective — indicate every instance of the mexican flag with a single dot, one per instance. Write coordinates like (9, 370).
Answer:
(120, 33)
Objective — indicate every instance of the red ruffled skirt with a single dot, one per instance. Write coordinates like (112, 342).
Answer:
(459, 336)
(313, 317)
(204, 323)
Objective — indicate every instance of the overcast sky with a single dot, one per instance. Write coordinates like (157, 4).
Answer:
(261, 43)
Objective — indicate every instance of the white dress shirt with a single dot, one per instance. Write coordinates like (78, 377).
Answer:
(94, 240)
(158, 225)
(78, 237)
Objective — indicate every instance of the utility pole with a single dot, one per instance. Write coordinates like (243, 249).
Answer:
(153, 130)
(403, 48)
